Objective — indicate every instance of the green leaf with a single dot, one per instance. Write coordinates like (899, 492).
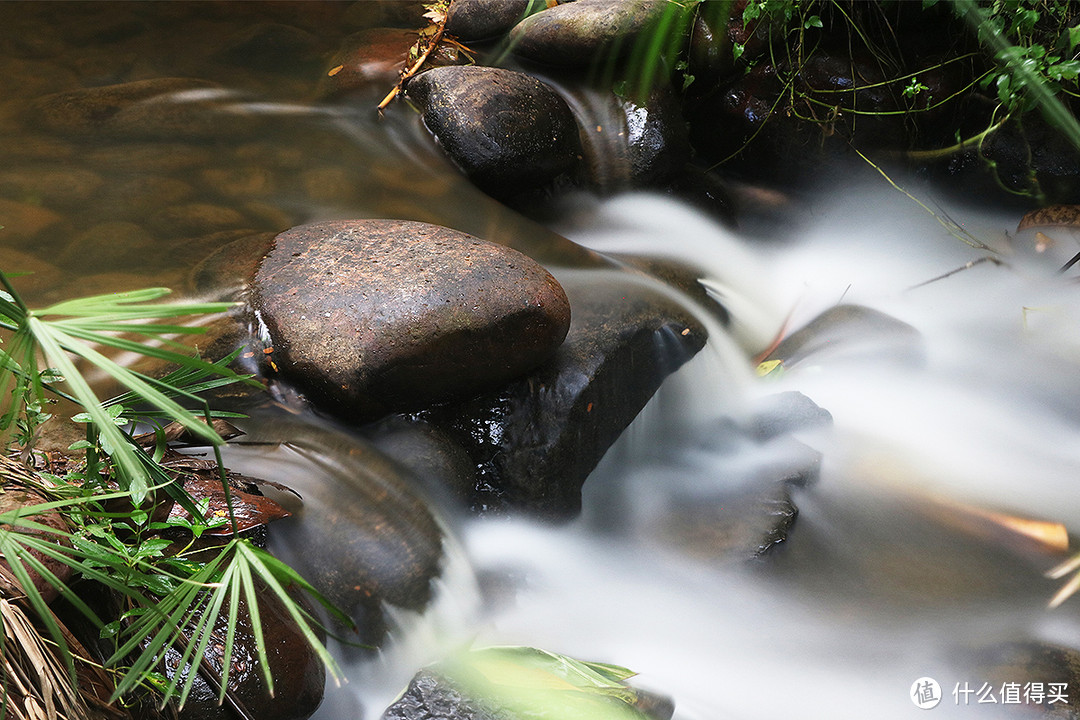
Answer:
(1074, 37)
(812, 21)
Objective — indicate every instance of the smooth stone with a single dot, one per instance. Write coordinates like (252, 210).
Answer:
(507, 131)
(149, 158)
(374, 59)
(166, 108)
(195, 219)
(471, 20)
(90, 110)
(271, 46)
(730, 526)
(536, 440)
(240, 182)
(362, 532)
(107, 245)
(371, 315)
(51, 186)
(581, 32)
(22, 222)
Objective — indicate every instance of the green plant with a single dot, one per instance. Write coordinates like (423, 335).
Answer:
(108, 534)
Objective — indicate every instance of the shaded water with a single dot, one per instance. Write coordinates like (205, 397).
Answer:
(879, 583)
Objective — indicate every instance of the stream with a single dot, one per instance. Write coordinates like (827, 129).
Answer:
(893, 571)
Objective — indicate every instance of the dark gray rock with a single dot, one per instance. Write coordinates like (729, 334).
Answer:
(1034, 666)
(535, 440)
(630, 143)
(585, 31)
(362, 532)
(507, 131)
(852, 330)
(370, 315)
(471, 20)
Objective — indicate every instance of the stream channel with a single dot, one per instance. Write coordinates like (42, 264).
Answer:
(892, 571)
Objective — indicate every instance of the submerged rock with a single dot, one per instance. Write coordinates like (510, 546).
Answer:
(507, 131)
(166, 108)
(371, 315)
(581, 32)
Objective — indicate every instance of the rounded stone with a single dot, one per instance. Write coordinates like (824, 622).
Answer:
(506, 130)
(584, 31)
(471, 20)
(366, 316)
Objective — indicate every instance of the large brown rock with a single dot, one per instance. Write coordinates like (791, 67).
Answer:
(366, 316)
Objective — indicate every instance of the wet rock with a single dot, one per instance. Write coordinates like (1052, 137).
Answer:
(787, 412)
(299, 676)
(536, 440)
(851, 331)
(370, 315)
(631, 144)
(240, 182)
(440, 463)
(271, 46)
(22, 222)
(230, 269)
(507, 131)
(581, 32)
(51, 186)
(166, 108)
(40, 274)
(470, 20)
(1040, 672)
(373, 57)
(362, 533)
(108, 245)
(728, 526)
(195, 219)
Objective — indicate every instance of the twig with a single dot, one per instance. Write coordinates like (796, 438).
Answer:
(962, 268)
(412, 70)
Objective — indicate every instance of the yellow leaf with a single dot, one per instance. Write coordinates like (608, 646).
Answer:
(769, 367)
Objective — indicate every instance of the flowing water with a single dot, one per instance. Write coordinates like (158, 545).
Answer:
(890, 574)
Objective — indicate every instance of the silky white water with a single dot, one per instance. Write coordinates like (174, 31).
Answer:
(890, 573)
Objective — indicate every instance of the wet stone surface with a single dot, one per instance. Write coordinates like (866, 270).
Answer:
(578, 33)
(507, 131)
(373, 315)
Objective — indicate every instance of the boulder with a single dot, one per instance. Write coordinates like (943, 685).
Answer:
(371, 315)
(507, 131)
(585, 31)
(535, 440)
(471, 20)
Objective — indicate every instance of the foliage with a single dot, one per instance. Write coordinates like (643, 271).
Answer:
(531, 683)
(112, 538)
